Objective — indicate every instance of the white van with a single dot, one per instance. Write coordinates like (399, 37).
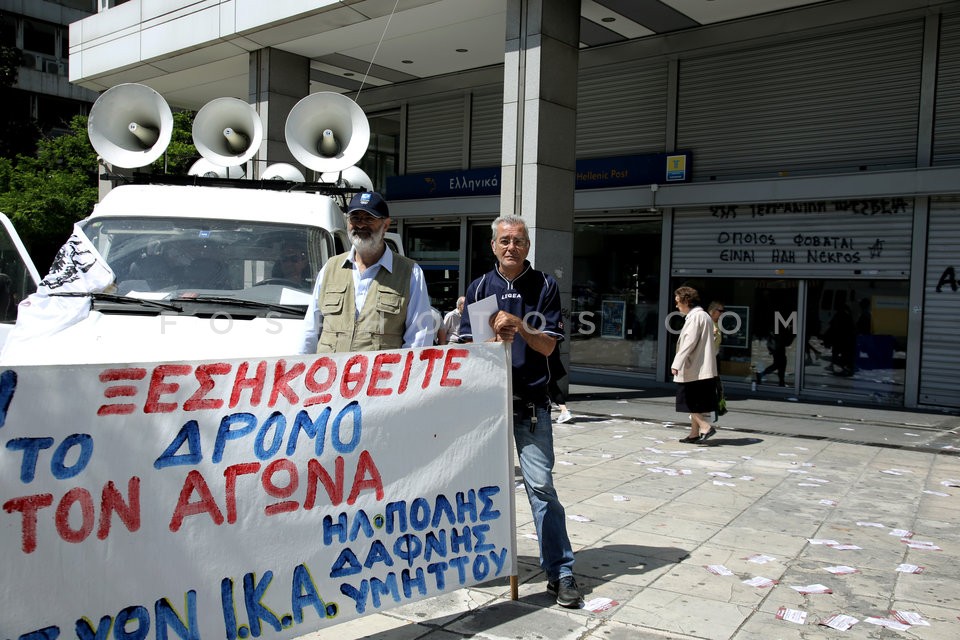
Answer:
(200, 272)
(208, 267)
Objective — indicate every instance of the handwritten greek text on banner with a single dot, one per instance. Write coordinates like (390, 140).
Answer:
(249, 498)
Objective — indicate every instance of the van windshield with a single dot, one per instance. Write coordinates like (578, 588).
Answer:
(166, 258)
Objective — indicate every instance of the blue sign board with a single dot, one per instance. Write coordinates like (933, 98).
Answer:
(628, 171)
(445, 184)
(593, 173)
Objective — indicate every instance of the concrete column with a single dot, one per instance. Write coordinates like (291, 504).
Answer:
(278, 81)
(539, 130)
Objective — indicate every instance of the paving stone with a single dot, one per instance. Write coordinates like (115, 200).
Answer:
(649, 535)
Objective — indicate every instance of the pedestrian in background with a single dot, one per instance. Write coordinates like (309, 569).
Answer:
(436, 324)
(557, 396)
(529, 319)
(715, 309)
(451, 322)
(694, 368)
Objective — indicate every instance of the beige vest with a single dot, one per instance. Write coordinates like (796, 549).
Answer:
(381, 322)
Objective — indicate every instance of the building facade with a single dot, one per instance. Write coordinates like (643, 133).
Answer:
(38, 31)
(800, 167)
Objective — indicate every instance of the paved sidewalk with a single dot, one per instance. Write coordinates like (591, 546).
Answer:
(784, 491)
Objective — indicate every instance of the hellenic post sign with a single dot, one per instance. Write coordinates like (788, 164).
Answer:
(249, 498)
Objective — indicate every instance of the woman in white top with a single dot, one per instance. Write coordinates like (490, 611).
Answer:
(695, 365)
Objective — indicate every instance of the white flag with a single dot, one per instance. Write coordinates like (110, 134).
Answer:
(78, 267)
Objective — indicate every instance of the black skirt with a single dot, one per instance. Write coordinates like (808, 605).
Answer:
(699, 396)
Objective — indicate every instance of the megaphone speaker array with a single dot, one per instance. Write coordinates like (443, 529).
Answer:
(130, 125)
(207, 169)
(351, 178)
(227, 131)
(327, 132)
(282, 171)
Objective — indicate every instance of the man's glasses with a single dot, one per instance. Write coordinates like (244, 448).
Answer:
(517, 242)
(361, 218)
(293, 258)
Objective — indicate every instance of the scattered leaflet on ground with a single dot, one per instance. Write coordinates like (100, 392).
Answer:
(792, 615)
(841, 570)
(839, 621)
(812, 588)
(889, 624)
(597, 605)
(760, 582)
(909, 568)
(718, 569)
(909, 617)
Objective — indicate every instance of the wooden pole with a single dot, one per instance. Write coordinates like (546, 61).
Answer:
(514, 588)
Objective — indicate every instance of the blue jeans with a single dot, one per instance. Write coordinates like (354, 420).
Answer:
(535, 450)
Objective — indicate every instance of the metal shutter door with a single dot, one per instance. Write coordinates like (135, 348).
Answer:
(848, 239)
(832, 103)
(486, 130)
(435, 135)
(940, 351)
(621, 109)
(946, 128)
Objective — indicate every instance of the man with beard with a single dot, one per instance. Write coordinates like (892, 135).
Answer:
(369, 298)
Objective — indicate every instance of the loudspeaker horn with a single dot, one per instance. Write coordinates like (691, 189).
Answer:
(350, 178)
(227, 131)
(130, 125)
(283, 171)
(208, 169)
(327, 132)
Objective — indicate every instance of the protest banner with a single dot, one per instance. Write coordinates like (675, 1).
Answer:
(250, 498)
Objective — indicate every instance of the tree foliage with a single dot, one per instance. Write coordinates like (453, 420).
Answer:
(181, 153)
(9, 65)
(45, 194)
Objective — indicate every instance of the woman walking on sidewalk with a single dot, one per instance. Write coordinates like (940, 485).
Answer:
(694, 368)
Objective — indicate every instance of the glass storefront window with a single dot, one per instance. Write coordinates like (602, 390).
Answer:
(381, 160)
(759, 327)
(481, 258)
(854, 335)
(615, 313)
(856, 338)
(436, 249)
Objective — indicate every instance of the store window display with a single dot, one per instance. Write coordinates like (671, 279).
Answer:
(856, 338)
(758, 329)
(615, 312)
(854, 335)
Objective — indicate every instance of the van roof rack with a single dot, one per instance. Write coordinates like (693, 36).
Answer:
(323, 188)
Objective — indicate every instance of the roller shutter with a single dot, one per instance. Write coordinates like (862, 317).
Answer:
(940, 352)
(946, 132)
(621, 109)
(435, 136)
(486, 130)
(842, 239)
(838, 102)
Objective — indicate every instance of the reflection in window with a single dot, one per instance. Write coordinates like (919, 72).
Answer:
(614, 307)
(15, 280)
(854, 335)
(758, 328)
(381, 161)
(856, 338)
(437, 250)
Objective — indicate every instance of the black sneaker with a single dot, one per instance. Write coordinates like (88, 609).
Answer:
(567, 592)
